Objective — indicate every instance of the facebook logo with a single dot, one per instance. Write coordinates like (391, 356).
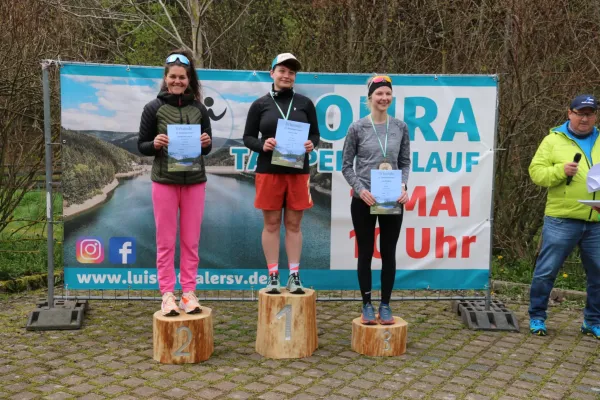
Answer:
(122, 250)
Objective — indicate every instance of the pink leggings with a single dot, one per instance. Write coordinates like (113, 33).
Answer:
(167, 200)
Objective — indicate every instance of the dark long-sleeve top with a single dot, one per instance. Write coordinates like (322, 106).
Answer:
(262, 119)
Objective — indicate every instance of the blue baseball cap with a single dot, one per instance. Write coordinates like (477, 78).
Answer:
(584, 101)
(287, 58)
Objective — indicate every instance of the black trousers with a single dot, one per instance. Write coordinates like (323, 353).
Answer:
(389, 232)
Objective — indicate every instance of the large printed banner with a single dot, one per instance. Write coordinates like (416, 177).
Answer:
(109, 224)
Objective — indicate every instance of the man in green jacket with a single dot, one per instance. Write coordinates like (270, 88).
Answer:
(567, 222)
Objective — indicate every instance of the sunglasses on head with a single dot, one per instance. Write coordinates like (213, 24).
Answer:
(178, 57)
(381, 78)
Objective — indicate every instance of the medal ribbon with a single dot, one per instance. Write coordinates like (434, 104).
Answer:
(387, 127)
(289, 108)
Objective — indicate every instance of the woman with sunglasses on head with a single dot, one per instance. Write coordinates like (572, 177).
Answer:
(280, 187)
(377, 141)
(177, 103)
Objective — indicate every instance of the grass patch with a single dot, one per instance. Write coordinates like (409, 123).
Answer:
(28, 219)
(23, 258)
(23, 243)
(571, 275)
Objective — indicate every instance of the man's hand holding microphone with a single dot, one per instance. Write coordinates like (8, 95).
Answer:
(572, 167)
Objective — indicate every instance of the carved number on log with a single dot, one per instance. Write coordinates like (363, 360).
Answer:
(287, 313)
(188, 334)
(387, 335)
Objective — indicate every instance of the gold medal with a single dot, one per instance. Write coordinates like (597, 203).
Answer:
(385, 166)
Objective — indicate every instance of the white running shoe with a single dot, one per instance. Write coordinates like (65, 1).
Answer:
(169, 305)
(189, 303)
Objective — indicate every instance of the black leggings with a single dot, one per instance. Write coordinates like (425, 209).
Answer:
(389, 232)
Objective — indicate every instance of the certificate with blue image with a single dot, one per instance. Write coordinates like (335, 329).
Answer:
(386, 187)
(184, 150)
(290, 137)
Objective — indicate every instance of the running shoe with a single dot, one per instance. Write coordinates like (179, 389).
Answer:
(189, 303)
(538, 327)
(273, 287)
(294, 285)
(368, 315)
(591, 330)
(385, 315)
(169, 305)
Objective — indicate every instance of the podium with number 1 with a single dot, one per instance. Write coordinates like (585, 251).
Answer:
(287, 324)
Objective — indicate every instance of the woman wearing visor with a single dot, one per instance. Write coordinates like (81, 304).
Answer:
(377, 142)
(281, 187)
(178, 103)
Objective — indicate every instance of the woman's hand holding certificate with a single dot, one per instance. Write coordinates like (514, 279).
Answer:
(404, 196)
(269, 145)
(367, 197)
(309, 146)
(160, 141)
(205, 140)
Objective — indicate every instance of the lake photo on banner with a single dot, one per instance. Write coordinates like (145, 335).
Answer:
(231, 229)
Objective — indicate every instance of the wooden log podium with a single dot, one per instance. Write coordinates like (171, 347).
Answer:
(287, 324)
(184, 339)
(379, 340)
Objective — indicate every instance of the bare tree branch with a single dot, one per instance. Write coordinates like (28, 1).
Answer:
(232, 24)
(168, 15)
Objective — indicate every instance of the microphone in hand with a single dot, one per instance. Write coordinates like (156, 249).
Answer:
(576, 159)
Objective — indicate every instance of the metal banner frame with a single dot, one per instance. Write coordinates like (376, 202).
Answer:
(66, 310)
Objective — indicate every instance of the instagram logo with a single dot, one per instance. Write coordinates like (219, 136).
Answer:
(90, 250)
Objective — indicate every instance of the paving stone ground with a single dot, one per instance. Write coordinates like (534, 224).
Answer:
(111, 357)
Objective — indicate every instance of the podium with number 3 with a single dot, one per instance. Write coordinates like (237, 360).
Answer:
(380, 340)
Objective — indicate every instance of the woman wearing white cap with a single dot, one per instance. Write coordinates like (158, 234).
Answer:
(281, 187)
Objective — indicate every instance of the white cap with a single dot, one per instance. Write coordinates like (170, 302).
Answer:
(283, 57)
